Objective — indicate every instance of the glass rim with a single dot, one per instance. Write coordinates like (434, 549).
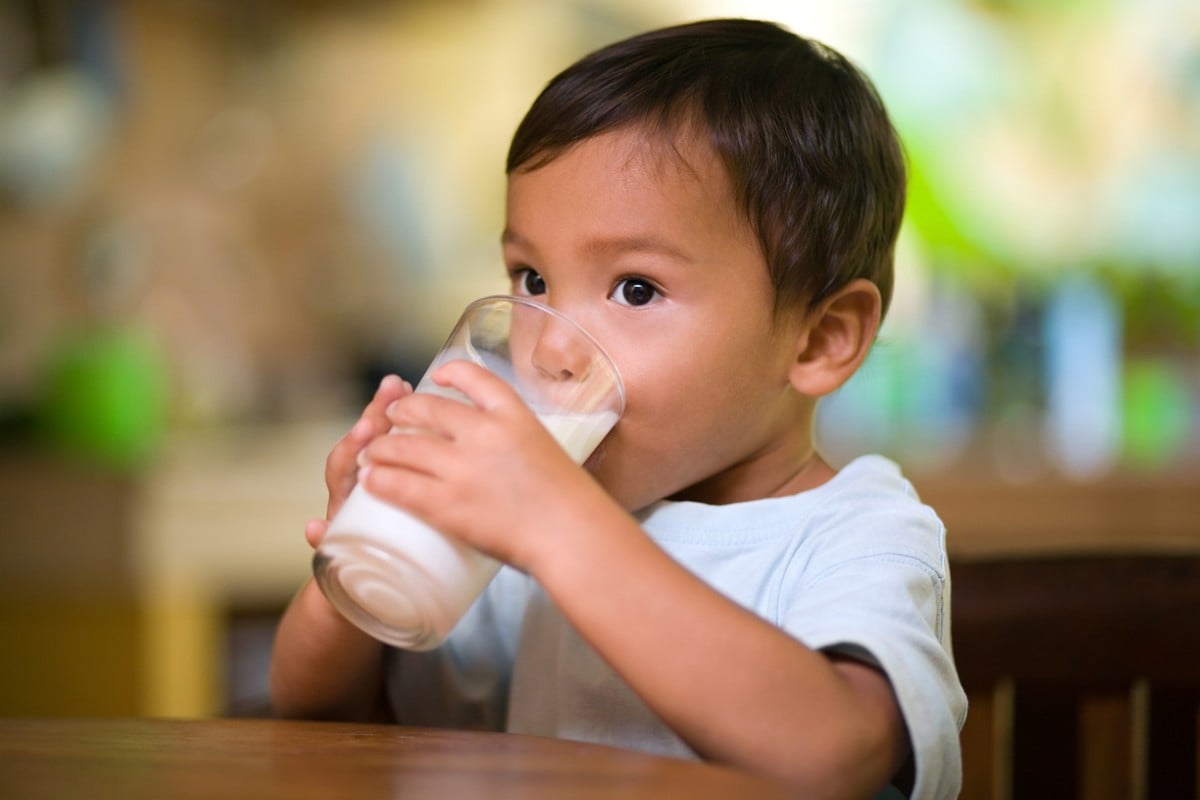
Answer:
(492, 299)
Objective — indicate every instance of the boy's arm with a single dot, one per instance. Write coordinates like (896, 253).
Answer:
(735, 687)
(322, 666)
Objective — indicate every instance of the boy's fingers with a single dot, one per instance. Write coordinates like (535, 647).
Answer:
(341, 465)
(373, 421)
(363, 431)
(430, 413)
(342, 460)
(314, 531)
(483, 388)
(391, 388)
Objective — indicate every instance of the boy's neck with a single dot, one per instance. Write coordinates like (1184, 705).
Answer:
(762, 478)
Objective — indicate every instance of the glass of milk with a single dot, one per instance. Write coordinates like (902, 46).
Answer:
(399, 579)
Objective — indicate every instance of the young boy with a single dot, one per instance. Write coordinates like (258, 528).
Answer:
(717, 203)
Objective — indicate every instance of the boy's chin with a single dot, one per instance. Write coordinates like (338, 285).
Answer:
(631, 498)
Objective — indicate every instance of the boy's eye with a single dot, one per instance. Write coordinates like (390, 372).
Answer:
(528, 282)
(634, 292)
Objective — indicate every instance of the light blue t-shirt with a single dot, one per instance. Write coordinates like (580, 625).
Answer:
(857, 565)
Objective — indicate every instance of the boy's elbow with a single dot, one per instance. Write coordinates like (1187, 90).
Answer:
(866, 763)
(285, 702)
(856, 758)
(860, 746)
(294, 702)
(845, 755)
(291, 698)
(827, 772)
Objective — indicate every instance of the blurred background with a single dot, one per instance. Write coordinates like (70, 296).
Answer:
(221, 222)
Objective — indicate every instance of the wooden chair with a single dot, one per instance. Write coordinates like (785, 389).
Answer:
(1083, 674)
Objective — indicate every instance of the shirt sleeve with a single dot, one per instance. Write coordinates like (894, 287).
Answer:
(880, 592)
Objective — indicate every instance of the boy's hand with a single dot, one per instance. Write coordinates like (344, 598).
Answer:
(488, 473)
(341, 467)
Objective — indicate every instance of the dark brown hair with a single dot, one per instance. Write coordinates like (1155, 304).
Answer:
(815, 164)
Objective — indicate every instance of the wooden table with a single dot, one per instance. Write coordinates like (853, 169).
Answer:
(265, 759)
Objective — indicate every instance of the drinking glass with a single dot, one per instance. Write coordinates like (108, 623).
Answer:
(397, 578)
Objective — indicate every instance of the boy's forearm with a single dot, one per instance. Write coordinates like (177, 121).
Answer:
(735, 687)
(322, 667)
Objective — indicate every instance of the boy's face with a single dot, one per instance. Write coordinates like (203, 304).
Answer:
(645, 248)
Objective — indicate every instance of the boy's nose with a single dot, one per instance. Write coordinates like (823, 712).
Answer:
(560, 352)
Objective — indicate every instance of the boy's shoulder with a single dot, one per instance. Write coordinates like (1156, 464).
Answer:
(870, 486)
(870, 509)
(871, 475)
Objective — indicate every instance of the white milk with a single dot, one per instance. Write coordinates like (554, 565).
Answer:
(396, 577)
(579, 433)
(401, 580)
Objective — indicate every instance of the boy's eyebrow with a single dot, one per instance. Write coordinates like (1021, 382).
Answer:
(614, 245)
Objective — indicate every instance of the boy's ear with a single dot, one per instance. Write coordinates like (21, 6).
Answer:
(836, 338)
